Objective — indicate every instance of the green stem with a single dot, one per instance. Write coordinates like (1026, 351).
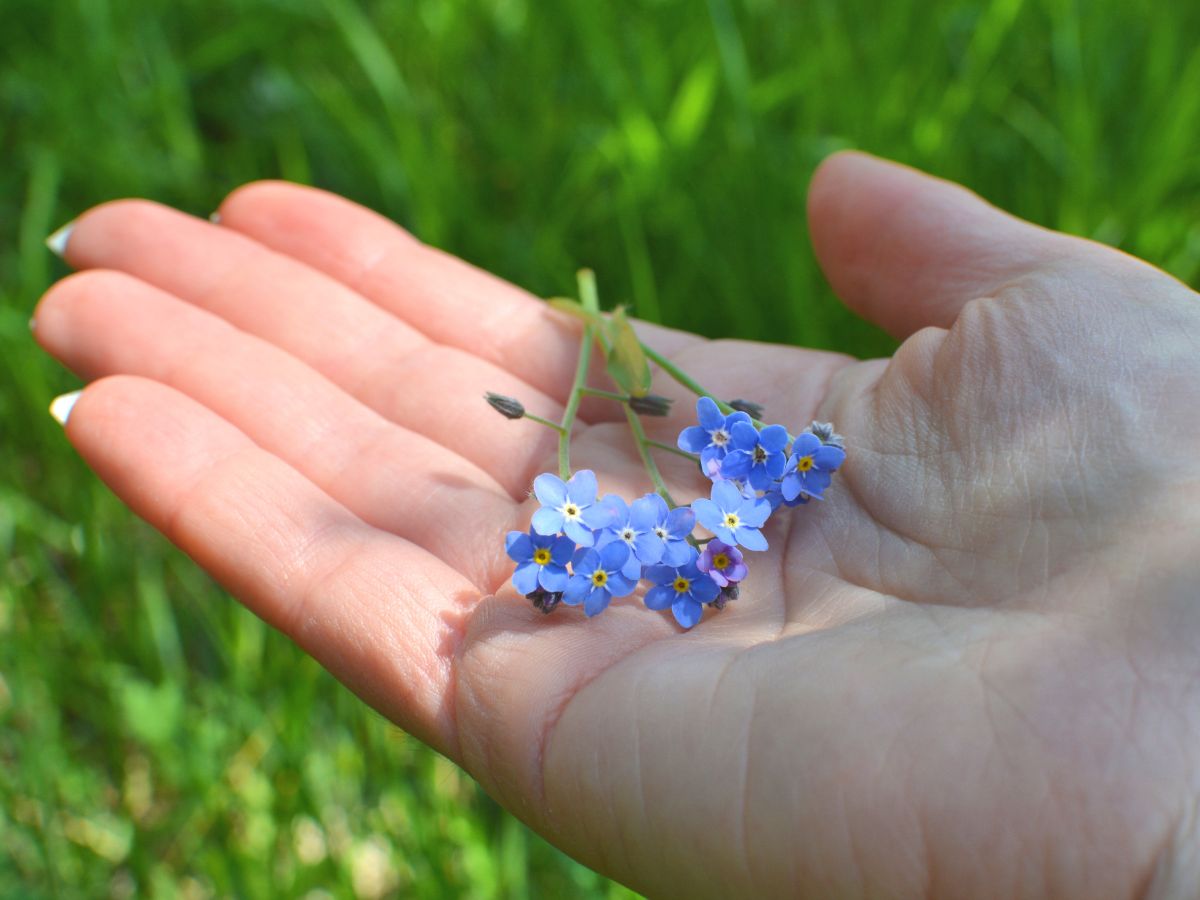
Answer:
(542, 421)
(694, 386)
(568, 419)
(643, 447)
(607, 395)
(661, 446)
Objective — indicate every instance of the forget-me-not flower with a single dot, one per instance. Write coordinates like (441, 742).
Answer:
(672, 527)
(733, 518)
(722, 562)
(755, 456)
(810, 467)
(569, 507)
(712, 437)
(541, 560)
(634, 524)
(683, 588)
(598, 577)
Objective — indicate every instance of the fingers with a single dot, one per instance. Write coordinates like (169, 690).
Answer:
(906, 250)
(103, 323)
(380, 613)
(444, 298)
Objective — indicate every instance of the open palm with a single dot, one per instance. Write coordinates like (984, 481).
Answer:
(971, 671)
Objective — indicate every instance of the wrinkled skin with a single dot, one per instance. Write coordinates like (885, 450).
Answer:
(974, 670)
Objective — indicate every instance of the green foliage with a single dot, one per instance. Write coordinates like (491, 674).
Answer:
(156, 739)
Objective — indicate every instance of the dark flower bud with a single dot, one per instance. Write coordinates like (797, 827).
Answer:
(750, 408)
(509, 407)
(729, 592)
(544, 600)
(650, 405)
(825, 433)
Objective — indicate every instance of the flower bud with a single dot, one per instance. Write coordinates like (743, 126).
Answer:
(509, 407)
(824, 431)
(729, 592)
(650, 405)
(750, 408)
(544, 600)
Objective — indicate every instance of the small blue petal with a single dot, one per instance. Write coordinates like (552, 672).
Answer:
(687, 612)
(577, 589)
(553, 578)
(707, 512)
(677, 553)
(680, 521)
(602, 515)
(561, 550)
(806, 444)
(631, 570)
(620, 586)
(581, 488)
(704, 589)
(736, 464)
(660, 597)
(750, 538)
(659, 574)
(525, 578)
(550, 490)
(547, 521)
(754, 512)
(643, 512)
(829, 458)
(613, 556)
(759, 479)
(586, 561)
(773, 438)
(518, 546)
(790, 487)
(648, 548)
(726, 496)
(709, 415)
(693, 439)
(744, 436)
(578, 533)
(596, 602)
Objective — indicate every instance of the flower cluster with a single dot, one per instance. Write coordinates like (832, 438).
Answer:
(584, 550)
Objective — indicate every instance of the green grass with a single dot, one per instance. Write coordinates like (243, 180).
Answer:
(154, 738)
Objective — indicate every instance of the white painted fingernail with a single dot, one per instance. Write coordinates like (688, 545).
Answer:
(57, 242)
(215, 218)
(61, 406)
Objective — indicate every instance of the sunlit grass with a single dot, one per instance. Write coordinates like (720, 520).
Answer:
(154, 738)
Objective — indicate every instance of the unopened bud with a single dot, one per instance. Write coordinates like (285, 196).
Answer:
(824, 431)
(729, 592)
(650, 405)
(509, 407)
(544, 600)
(749, 407)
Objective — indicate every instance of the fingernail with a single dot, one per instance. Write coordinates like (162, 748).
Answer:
(57, 242)
(61, 406)
(215, 218)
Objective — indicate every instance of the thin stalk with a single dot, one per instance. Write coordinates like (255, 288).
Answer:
(542, 421)
(606, 395)
(568, 419)
(692, 457)
(643, 448)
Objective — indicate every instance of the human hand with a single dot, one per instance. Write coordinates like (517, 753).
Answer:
(971, 671)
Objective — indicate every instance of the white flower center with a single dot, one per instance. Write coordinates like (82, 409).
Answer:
(570, 511)
(720, 437)
(627, 535)
(661, 532)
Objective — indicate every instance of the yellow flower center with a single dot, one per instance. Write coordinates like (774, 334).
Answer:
(732, 520)
(599, 578)
(804, 463)
(681, 585)
(570, 510)
(541, 556)
(720, 561)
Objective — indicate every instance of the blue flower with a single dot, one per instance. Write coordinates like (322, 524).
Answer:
(756, 456)
(810, 468)
(598, 578)
(683, 588)
(672, 527)
(569, 507)
(541, 560)
(711, 438)
(733, 518)
(634, 525)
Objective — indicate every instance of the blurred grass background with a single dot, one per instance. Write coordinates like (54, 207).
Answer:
(155, 739)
